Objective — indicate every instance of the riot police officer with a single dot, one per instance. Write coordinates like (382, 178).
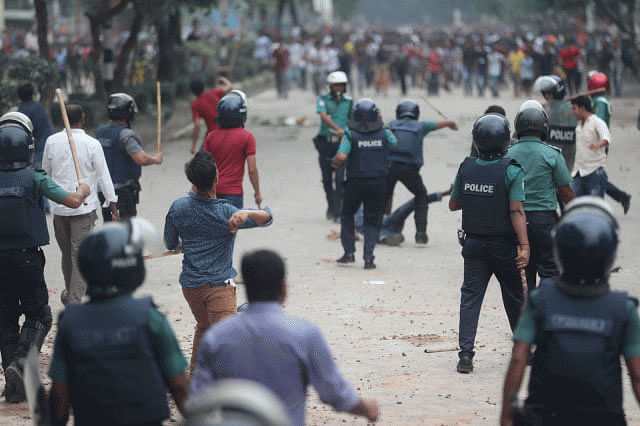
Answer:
(490, 191)
(602, 108)
(115, 355)
(580, 328)
(544, 171)
(23, 230)
(365, 148)
(562, 122)
(406, 159)
(124, 154)
(335, 110)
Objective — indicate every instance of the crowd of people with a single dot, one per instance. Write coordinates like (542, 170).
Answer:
(480, 60)
(509, 190)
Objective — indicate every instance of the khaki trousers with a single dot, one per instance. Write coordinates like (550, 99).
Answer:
(70, 230)
(208, 305)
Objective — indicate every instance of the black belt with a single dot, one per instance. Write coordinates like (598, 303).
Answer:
(541, 212)
(496, 237)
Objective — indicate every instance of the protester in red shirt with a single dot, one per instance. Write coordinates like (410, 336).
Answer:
(281, 56)
(435, 65)
(230, 146)
(569, 56)
(205, 106)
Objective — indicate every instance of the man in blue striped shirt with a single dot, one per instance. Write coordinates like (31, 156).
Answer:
(266, 345)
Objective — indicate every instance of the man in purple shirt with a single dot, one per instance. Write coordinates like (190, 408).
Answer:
(266, 345)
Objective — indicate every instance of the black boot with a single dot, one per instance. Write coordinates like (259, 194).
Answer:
(8, 348)
(32, 334)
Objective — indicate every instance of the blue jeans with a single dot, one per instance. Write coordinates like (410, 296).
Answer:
(495, 80)
(592, 184)
(236, 200)
(467, 77)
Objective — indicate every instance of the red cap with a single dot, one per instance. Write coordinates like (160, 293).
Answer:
(598, 81)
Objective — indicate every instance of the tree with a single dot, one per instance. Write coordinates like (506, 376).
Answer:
(45, 87)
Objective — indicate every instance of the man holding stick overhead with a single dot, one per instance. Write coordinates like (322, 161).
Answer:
(71, 225)
(123, 152)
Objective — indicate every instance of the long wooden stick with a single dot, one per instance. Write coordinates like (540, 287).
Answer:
(589, 93)
(424, 98)
(525, 286)
(72, 145)
(159, 102)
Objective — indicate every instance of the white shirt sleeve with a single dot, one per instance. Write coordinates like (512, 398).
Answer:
(102, 173)
(46, 162)
(603, 130)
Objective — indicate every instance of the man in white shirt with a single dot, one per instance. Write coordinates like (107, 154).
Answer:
(71, 225)
(592, 142)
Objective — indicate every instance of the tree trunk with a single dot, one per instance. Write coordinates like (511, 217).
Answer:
(125, 52)
(293, 10)
(281, 5)
(42, 18)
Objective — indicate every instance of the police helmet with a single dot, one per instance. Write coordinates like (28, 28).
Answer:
(121, 107)
(584, 244)
(238, 402)
(532, 117)
(337, 77)
(491, 136)
(597, 81)
(110, 259)
(365, 110)
(232, 109)
(409, 109)
(551, 84)
(16, 141)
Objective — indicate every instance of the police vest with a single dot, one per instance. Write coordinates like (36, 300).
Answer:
(114, 377)
(485, 197)
(409, 146)
(121, 166)
(578, 347)
(369, 157)
(22, 220)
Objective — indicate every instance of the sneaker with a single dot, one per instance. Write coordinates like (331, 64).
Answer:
(422, 238)
(347, 258)
(368, 264)
(465, 365)
(14, 389)
(626, 203)
(392, 240)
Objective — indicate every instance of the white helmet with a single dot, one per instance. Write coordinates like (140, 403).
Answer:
(337, 77)
(18, 118)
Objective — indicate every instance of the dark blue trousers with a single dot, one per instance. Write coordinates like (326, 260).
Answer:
(483, 258)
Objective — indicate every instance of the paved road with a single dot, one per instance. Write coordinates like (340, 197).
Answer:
(378, 333)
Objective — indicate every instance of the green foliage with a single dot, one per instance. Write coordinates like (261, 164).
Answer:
(345, 9)
(167, 93)
(8, 95)
(182, 86)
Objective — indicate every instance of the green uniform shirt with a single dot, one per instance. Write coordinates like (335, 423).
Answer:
(345, 145)
(427, 126)
(544, 170)
(602, 108)
(163, 341)
(49, 187)
(340, 112)
(514, 181)
(526, 330)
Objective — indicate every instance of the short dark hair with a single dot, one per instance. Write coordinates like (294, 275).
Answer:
(582, 101)
(197, 87)
(25, 92)
(201, 170)
(495, 109)
(75, 114)
(263, 272)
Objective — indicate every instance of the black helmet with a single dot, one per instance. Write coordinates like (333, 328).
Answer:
(551, 84)
(110, 259)
(365, 110)
(407, 109)
(491, 136)
(365, 117)
(532, 117)
(584, 244)
(16, 141)
(121, 107)
(232, 109)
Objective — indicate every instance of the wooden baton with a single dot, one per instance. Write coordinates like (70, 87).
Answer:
(159, 102)
(72, 145)
(424, 98)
